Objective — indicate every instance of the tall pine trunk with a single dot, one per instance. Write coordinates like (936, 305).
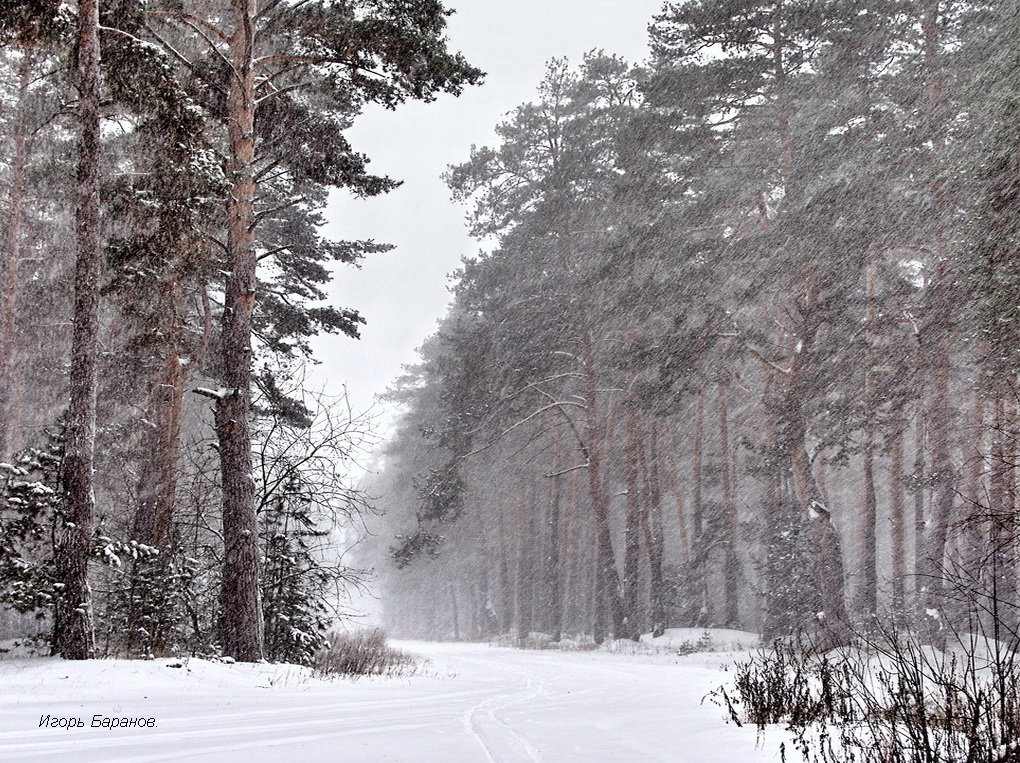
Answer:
(731, 571)
(524, 591)
(632, 528)
(699, 554)
(154, 512)
(672, 484)
(937, 527)
(938, 329)
(824, 537)
(653, 530)
(697, 459)
(574, 557)
(920, 478)
(970, 536)
(1001, 577)
(240, 601)
(157, 484)
(10, 262)
(554, 594)
(507, 613)
(897, 521)
(868, 572)
(73, 635)
(609, 607)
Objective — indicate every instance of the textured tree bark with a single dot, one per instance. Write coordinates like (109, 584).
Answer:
(73, 634)
(240, 600)
(11, 257)
(157, 484)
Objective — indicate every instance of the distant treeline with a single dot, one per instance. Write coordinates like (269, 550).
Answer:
(743, 346)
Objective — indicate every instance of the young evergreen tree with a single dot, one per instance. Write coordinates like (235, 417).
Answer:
(30, 504)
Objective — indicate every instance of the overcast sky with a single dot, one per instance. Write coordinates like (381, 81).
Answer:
(404, 292)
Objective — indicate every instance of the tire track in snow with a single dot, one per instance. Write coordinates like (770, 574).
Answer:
(490, 707)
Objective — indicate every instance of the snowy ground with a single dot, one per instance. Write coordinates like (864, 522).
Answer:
(471, 703)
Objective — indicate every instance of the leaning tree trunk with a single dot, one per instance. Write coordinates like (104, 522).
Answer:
(240, 600)
(73, 636)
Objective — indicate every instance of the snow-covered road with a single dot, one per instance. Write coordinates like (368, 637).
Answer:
(471, 703)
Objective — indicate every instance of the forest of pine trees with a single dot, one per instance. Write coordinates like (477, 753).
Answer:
(163, 174)
(741, 345)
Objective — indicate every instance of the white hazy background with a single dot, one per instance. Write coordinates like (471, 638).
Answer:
(404, 292)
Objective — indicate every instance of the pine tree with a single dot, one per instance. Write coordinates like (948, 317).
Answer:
(73, 628)
(996, 226)
(306, 62)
